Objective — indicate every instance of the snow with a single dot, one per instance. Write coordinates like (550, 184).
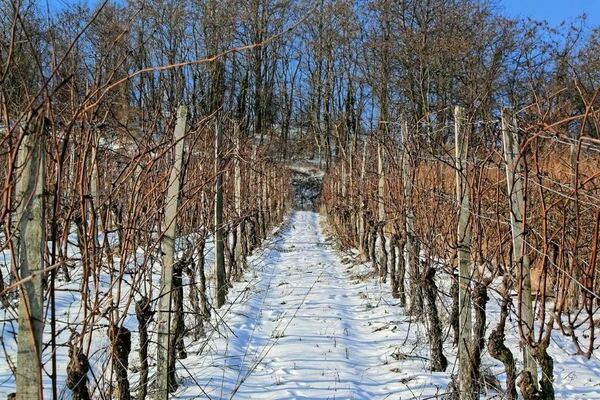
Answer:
(310, 322)
(307, 329)
(308, 167)
(306, 322)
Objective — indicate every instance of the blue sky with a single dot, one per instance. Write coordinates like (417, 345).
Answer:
(554, 11)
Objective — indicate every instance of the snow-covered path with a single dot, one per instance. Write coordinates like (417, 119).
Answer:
(305, 330)
(306, 322)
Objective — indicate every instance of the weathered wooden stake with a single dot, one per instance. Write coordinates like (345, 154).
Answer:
(237, 176)
(382, 251)
(362, 224)
(32, 243)
(521, 266)
(220, 272)
(410, 250)
(463, 242)
(164, 322)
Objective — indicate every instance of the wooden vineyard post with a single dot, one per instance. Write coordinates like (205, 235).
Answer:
(382, 253)
(220, 273)
(463, 242)
(410, 248)
(164, 323)
(237, 177)
(32, 243)
(362, 224)
(520, 265)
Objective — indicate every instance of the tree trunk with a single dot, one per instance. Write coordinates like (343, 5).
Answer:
(179, 332)
(499, 351)
(453, 319)
(144, 314)
(194, 295)
(202, 276)
(120, 339)
(416, 298)
(373, 244)
(540, 352)
(393, 273)
(480, 299)
(230, 254)
(77, 373)
(383, 254)
(401, 269)
(244, 240)
(438, 360)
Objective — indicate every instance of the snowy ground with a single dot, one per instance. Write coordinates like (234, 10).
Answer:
(307, 330)
(306, 322)
(311, 324)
